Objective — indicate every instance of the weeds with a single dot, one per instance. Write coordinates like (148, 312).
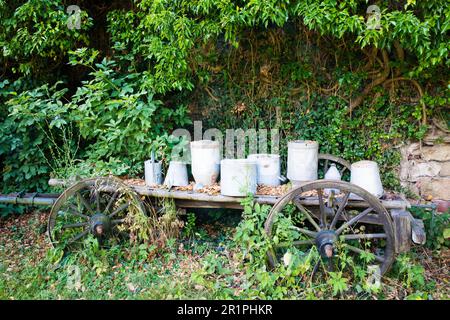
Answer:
(230, 265)
(189, 229)
(436, 226)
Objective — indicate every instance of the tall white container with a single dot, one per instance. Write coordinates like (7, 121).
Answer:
(366, 174)
(205, 161)
(177, 175)
(238, 177)
(153, 174)
(302, 161)
(268, 167)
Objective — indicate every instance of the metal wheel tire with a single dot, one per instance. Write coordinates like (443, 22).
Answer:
(95, 206)
(331, 222)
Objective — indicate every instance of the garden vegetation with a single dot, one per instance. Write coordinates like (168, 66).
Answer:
(95, 100)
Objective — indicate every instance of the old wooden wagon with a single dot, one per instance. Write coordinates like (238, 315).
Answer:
(326, 212)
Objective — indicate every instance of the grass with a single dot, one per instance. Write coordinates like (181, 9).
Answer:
(205, 264)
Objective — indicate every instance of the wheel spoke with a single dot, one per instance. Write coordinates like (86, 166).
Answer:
(323, 215)
(346, 219)
(302, 242)
(347, 237)
(117, 221)
(305, 231)
(314, 270)
(340, 210)
(307, 214)
(119, 209)
(85, 203)
(294, 243)
(97, 200)
(360, 251)
(330, 266)
(111, 201)
(79, 236)
(353, 220)
(75, 225)
(74, 211)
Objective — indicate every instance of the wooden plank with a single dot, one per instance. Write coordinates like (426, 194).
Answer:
(220, 201)
(57, 183)
(402, 230)
(418, 234)
(207, 204)
(370, 218)
(196, 196)
(418, 231)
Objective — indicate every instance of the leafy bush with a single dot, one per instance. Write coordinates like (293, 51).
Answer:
(437, 227)
(36, 138)
(34, 36)
(311, 68)
(109, 122)
(120, 118)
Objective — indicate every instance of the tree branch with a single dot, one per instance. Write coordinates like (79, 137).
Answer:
(377, 81)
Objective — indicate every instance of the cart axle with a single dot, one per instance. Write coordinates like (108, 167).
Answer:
(33, 199)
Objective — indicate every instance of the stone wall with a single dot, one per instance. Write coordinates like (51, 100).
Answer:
(426, 169)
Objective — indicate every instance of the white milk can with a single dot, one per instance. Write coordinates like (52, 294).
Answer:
(238, 177)
(205, 161)
(268, 168)
(366, 174)
(302, 161)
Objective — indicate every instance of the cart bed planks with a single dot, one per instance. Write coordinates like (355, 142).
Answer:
(191, 199)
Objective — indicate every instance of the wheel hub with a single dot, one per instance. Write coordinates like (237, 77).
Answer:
(100, 224)
(324, 242)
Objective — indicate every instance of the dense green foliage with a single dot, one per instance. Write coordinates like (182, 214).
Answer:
(292, 277)
(97, 99)
(436, 227)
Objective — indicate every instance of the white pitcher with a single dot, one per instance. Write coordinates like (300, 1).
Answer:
(332, 174)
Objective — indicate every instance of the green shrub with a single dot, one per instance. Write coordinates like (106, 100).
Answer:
(436, 226)
(120, 118)
(36, 138)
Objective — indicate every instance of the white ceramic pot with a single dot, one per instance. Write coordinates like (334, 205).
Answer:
(177, 175)
(153, 173)
(366, 174)
(205, 161)
(238, 177)
(268, 168)
(302, 161)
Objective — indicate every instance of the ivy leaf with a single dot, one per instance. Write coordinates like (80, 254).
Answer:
(446, 233)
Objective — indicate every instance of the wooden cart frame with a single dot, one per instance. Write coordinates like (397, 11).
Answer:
(101, 204)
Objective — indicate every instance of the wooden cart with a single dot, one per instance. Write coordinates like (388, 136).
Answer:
(329, 211)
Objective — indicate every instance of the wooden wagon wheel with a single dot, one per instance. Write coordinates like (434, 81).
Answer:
(326, 159)
(361, 229)
(97, 206)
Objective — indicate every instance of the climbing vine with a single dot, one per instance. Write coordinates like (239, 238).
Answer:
(313, 69)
